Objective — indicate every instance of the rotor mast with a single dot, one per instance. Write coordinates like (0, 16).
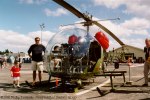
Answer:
(87, 23)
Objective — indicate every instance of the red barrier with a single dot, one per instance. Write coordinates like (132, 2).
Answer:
(72, 39)
(102, 39)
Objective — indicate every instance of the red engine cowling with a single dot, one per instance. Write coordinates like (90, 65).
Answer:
(102, 39)
(72, 39)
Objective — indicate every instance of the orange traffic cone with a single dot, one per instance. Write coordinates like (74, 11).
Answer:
(56, 82)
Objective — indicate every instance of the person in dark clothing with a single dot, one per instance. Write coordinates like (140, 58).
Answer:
(35, 52)
(1, 62)
(147, 61)
(18, 58)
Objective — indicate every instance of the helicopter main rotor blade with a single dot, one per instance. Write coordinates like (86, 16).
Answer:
(74, 24)
(109, 32)
(90, 22)
(71, 9)
(86, 18)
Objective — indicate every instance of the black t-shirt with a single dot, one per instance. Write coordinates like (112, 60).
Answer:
(36, 50)
(147, 52)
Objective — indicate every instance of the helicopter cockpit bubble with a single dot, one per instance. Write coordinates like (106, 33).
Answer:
(73, 49)
(81, 40)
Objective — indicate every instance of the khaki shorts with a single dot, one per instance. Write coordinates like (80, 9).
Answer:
(37, 66)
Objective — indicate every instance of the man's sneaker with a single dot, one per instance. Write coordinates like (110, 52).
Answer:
(33, 83)
(18, 86)
(145, 85)
(14, 85)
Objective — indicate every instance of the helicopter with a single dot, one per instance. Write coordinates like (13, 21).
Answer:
(74, 54)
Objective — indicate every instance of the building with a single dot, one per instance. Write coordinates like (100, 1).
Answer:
(127, 51)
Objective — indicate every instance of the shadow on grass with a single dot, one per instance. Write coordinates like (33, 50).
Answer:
(44, 87)
(129, 91)
(145, 99)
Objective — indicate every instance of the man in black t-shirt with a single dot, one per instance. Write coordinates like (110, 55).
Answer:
(147, 61)
(35, 52)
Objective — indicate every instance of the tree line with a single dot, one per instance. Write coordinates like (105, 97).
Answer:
(6, 51)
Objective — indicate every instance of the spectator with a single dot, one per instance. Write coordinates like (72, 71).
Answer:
(37, 59)
(147, 61)
(15, 73)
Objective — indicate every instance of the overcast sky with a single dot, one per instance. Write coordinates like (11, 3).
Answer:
(20, 20)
